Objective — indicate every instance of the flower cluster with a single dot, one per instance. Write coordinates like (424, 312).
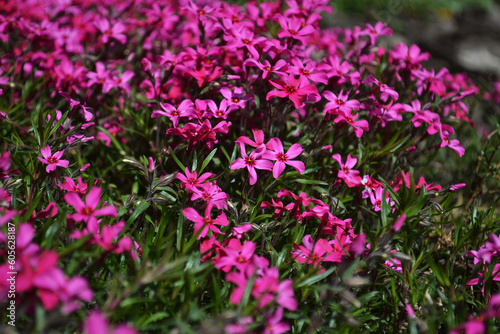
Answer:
(129, 192)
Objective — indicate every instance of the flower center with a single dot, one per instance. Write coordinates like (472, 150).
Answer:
(175, 113)
(87, 211)
(241, 259)
(281, 157)
(340, 102)
(250, 161)
(290, 89)
(219, 113)
(52, 160)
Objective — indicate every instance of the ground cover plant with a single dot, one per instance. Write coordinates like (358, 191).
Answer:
(202, 167)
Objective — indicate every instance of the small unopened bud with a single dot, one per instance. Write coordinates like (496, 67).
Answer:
(411, 149)
(455, 187)
(151, 165)
(84, 167)
(399, 223)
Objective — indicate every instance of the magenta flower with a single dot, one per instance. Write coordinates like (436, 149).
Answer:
(191, 180)
(205, 223)
(245, 38)
(253, 161)
(313, 253)
(210, 193)
(266, 67)
(185, 109)
(454, 143)
(219, 112)
(96, 323)
(236, 255)
(277, 153)
(258, 135)
(296, 90)
(292, 27)
(109, 31)
(350, 176)
(268, 287)
(385, 90)
(88, 211)
(69, 185)
(358, 126)
(307, 72)
(274, 325)
(425, 115)
(52, 160)
(374, 31)
(339, 102)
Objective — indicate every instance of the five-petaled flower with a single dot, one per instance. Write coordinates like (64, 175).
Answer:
(88, 211)
(205, 223)
(52, 160)
(252, 161)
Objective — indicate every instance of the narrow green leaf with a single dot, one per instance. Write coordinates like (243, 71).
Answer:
(207, 160)
(177, 161)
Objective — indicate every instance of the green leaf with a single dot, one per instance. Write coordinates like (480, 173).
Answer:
(143, 205)
(177, 161)
(180, 228)
(207, 160)
(315, 278)
(195, 161)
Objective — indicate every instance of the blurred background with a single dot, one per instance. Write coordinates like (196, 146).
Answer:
(462, 35)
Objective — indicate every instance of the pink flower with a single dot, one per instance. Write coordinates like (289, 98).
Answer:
(376, 198)
(454, 143)
(96, 323)
(252, 162)
(295, 89)
(373, 32)
(292, 27)
(277, 153)
(191, 180)
(266, 67)
(205, 223)
(351, 177)
(313, 253)
(339, 102)
(307, 71)
(88, 211)
(236, 255)
(358, 126)
(211, 194)
(109, 31)
(70, 185)
(239, 231)
(185, 109)
(258, 135)
(52, 160)
(268, 287)
(220, 112)
(274, 324)
(385, 90)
